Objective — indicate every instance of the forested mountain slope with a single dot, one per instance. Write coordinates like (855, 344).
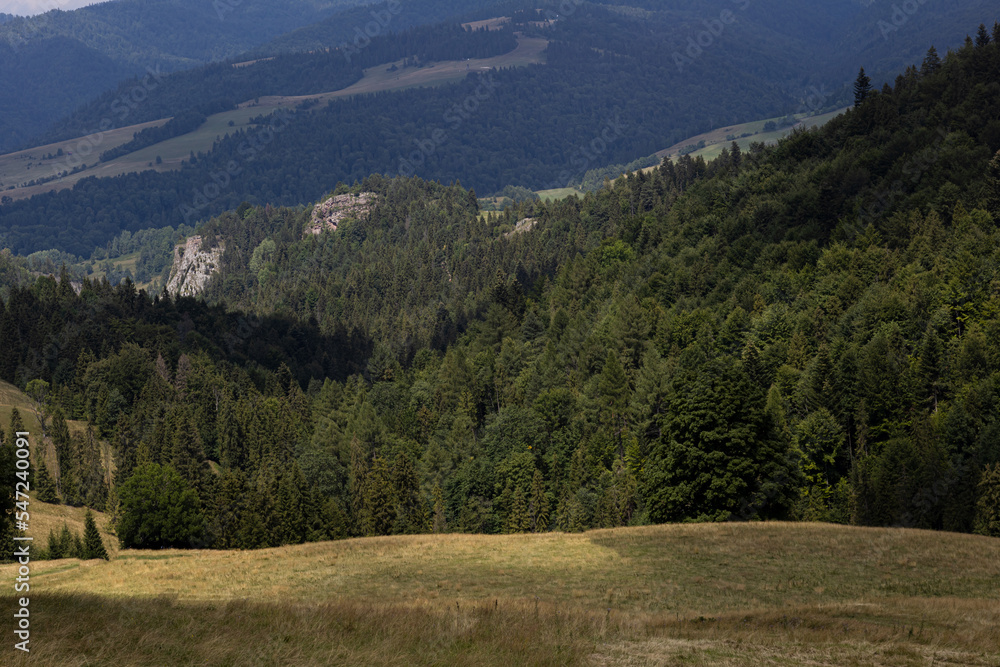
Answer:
(806, 332)
(59, 60)
(525, 126)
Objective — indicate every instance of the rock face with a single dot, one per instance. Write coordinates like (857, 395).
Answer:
(193, 267)
(328, 215)
(523, 226)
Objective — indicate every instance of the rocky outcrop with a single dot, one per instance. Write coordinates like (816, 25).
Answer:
(193, 267)
(331, 213)
(523, 226)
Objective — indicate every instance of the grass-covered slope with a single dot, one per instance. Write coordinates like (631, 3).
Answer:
(730, 594)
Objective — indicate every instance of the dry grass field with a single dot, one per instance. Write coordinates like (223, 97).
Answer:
(723, 594)
(530, 50)
(559, 193)
(27, 165)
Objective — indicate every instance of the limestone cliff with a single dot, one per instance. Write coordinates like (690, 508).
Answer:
(329, 214)
(193, 267)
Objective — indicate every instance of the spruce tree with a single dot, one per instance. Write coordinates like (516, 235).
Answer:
(988, 507)
(16, 426)
(409, 506)
(982, 36)
(539, 503)
(377, 509)
(440, 523)
(66, 542)
(518, 520)
(932, 62)
(862, 88)
(77, 550)
(290, 507)
(65, 459)
(45, 488)
(187, 453)
(55, 550)
(93, 546)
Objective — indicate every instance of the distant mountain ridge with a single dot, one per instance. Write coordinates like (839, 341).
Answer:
(60, 60)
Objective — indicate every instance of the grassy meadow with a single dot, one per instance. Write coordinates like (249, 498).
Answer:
(716, 140)
(559, 193)
(719, 594)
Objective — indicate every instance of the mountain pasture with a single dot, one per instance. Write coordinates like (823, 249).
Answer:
(707, 594)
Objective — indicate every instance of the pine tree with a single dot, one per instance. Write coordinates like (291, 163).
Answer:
(862, 88)
(988, 507)
(77, 551)
(16, 426)
(996, 32)
(539, 509)
(54, 549)
(930, 368)
(377, 513)
(123, 448)
(982, 36)
(113, 506)
(576, 519)
(409, 506)
(356, 485)
(440, 523)
(65, 459)
(45, 488)
(66, 543)
(613, 391)
(93, 489)
(93, 546)
(290, 507)
(187, 453)
(932, 62)
(518, 520)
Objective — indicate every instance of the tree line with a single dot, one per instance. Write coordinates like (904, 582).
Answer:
(803, 332)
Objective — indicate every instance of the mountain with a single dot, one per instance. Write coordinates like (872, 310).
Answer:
(807, 331)
(171, 34)
(51, 76)
(360, 24)
(618, 82)
(59, 60)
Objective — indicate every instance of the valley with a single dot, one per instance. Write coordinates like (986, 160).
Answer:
(382, 337)
(21, 167)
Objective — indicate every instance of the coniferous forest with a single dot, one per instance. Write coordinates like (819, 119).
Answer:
(807, 332)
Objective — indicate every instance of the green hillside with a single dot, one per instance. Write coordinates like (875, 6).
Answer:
(804, 332)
